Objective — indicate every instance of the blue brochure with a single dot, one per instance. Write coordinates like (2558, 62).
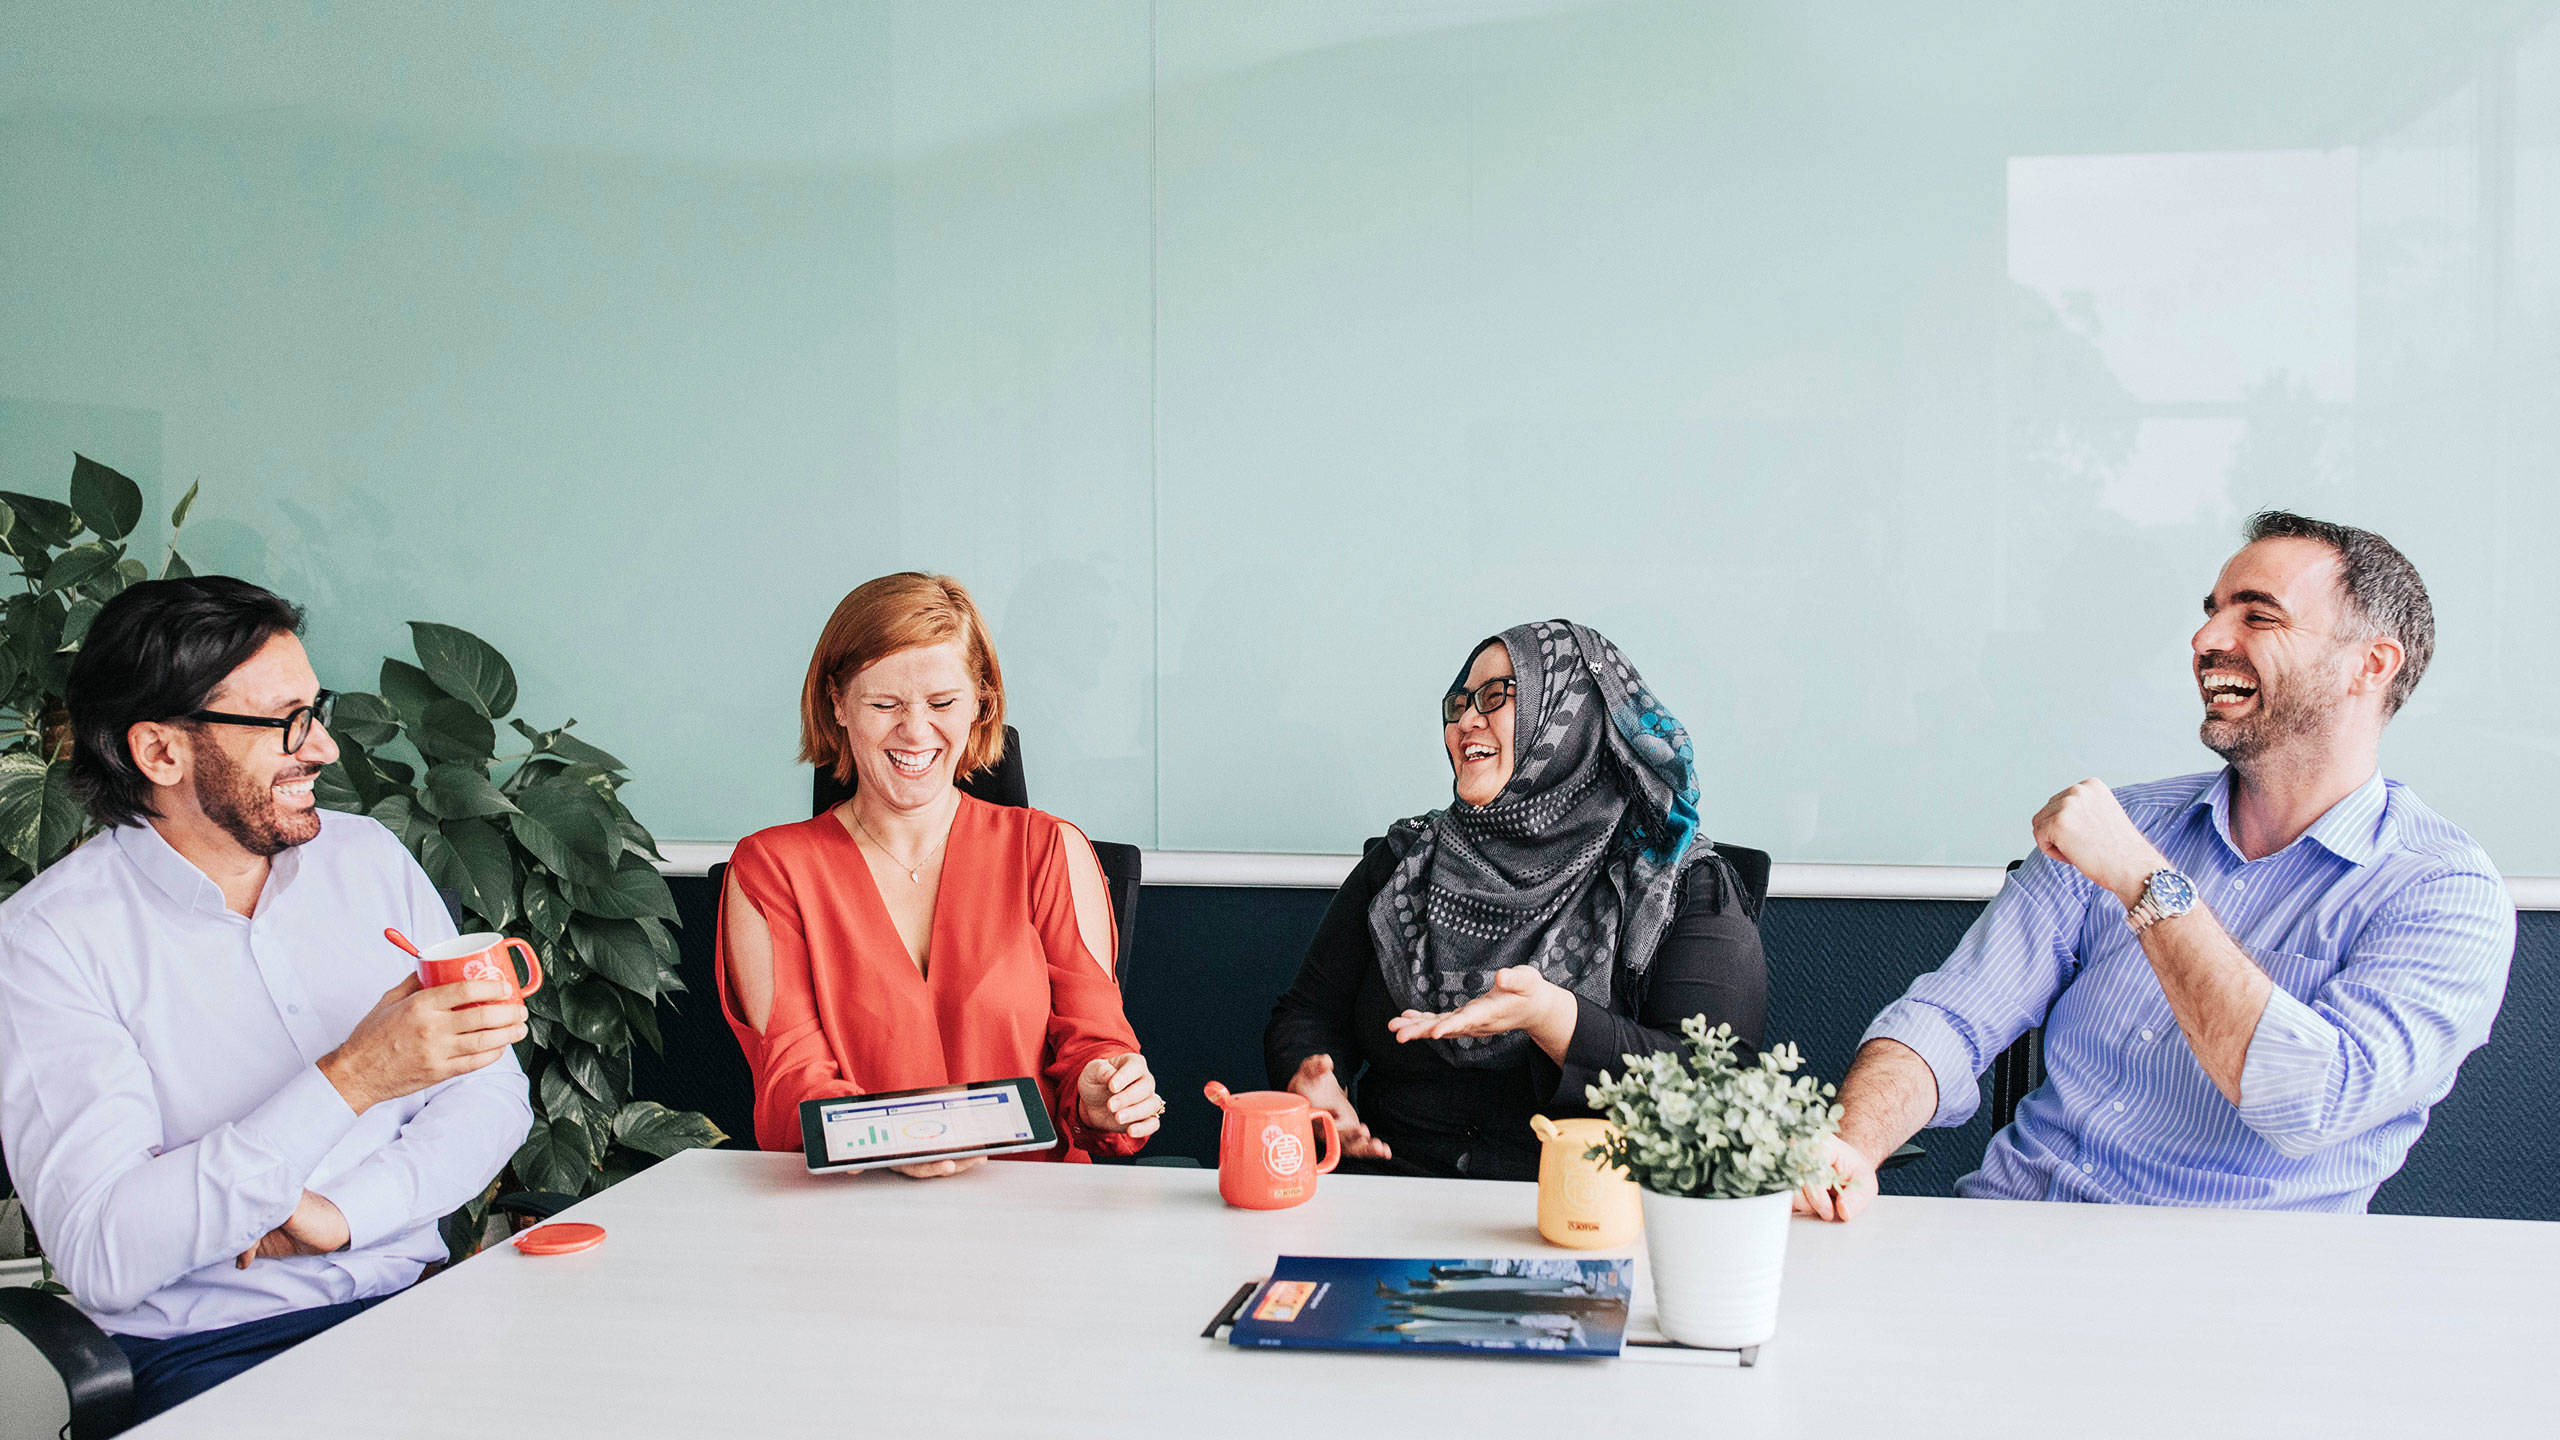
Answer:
(1523, 1307)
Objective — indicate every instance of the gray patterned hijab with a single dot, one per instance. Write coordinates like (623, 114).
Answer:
(1577, 862)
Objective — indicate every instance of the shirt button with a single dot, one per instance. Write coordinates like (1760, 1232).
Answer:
(2239, 884)
(2146, 1035)
(2088, 1169)
(293, 1009)
(2119, 1107)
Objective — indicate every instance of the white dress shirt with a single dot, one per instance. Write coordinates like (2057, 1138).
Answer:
(160, 1099)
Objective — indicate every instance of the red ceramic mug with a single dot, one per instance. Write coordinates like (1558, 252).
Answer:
(480, 957)
(1267, 1155)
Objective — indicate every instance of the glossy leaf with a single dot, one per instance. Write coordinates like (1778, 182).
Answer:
(49, 521)
(22, 777)
(653, 1129)
(436, 856)
(558, 1092)
(619, 950)
(65, 818)
(593, 1014)
(464, 792)
(409, 691)
(545, 907)
(366, 719)
(559, 1155)
(636, 839)
(334, 790)
(491, 862)
(637, 889)
(641, 1014)
(597, 1075)
(104, 499)
(567, 828)
(402, 819)
(75, 624)
(177, 568)
(77, 564)
(186, 502)
(452, 730)
(465, 667)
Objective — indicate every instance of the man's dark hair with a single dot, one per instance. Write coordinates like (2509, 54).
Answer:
(2385, 597)
(157, 652)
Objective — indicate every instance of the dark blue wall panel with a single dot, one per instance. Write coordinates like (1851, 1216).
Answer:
(1211, 959)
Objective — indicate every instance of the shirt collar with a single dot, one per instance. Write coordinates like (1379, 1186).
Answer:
(2353, 829)
(177, 877)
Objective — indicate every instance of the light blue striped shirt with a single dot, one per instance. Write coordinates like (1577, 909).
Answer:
(2387, 933)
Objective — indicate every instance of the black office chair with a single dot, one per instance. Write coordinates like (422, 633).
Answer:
(96, 1377)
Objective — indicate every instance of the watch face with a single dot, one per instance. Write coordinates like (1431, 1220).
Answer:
(2172, 893)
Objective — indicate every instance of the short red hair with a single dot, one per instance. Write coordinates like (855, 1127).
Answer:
(895, 613)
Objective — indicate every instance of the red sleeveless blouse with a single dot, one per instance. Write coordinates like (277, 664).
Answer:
(1008, 987)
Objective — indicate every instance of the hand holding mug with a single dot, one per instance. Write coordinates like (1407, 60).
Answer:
(1117, 1095)
(415, 1037)
(1316, 1083)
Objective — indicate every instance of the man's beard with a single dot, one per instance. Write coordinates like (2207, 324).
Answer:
(248, 811)
(2301, 707)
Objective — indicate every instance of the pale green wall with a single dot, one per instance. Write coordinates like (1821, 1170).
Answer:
(1888, 380)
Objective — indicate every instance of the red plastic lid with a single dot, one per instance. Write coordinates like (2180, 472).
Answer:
(566, 1238)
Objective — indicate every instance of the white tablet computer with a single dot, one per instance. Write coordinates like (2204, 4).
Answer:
(915, 1127)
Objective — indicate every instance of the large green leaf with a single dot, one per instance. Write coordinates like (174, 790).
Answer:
(559, 1094)
(465, 667)
(641, 1014)
(637, 889)
(545, 907)
(79, 563)
(452, 730)
(464, 792)
(177, 568)
(403, 819)
(559, 1155)
(65, 818)
(443, 866)
(653, 1129)
(104, 499)
(334, 790)
(578, 752)
(76, 622)
(599, 1075)
(593, 1013)
(618, 950)
(486, 855)
(409, 691)
(568, 828)
(636, 839)
(367, 719)
(22, 787)
(48, 520)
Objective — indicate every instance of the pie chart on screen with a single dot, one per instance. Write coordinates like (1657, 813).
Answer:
(924, 1129)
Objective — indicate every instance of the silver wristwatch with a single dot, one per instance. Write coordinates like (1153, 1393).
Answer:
(2165, 896)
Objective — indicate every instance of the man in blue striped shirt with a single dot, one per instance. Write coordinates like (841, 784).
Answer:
(2254, 982)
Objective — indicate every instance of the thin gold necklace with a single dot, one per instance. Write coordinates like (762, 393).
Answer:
(915, 872)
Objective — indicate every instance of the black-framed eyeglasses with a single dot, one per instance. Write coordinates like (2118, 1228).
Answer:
(296, 725)
(1486, 698)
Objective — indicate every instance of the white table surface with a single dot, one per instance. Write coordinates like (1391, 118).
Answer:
(739, 1296)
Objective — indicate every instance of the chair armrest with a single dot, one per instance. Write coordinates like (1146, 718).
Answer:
(1900, 1158)
(96, 1376)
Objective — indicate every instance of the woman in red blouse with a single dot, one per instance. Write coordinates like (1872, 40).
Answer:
(914, 935)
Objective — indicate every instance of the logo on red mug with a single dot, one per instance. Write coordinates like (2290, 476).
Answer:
(482, 968)
(1281, 1151)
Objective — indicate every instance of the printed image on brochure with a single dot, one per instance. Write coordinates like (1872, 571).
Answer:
(1530, 1307)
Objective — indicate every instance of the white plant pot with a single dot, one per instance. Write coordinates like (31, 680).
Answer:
(1716, 1266)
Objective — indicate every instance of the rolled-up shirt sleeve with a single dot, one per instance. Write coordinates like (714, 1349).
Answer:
(2418, 991)
(1999, 983)
(77, 1105)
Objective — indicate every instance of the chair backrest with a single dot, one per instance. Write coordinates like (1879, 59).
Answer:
(998, 784)
(1751, 867)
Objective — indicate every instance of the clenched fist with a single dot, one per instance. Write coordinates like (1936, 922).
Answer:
(2084, 828)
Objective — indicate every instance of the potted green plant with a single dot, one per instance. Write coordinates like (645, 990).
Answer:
(1718, 1149)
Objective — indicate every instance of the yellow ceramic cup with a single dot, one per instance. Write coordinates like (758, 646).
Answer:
(1583, 1204)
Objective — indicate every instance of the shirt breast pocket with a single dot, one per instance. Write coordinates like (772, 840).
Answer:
(2298, 975)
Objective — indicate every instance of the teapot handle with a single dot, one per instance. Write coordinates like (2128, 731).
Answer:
(1217, 1094)
(1543, 1128)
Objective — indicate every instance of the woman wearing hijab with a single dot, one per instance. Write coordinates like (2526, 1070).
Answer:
(1487, 961)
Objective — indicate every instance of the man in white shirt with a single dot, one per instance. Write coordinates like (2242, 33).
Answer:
(228, 1132)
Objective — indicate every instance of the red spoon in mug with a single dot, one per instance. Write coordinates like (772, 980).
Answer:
(396, 938)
